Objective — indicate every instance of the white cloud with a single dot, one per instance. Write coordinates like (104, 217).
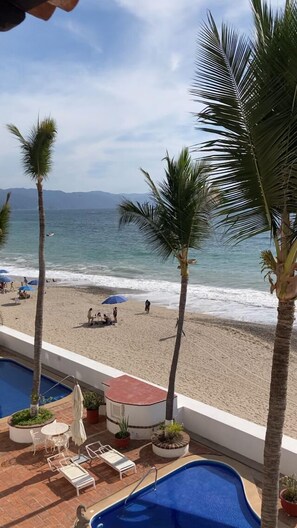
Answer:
(113, 117)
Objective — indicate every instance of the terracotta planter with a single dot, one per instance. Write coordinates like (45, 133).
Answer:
(121, 443)
(289, 507)
(92, 416)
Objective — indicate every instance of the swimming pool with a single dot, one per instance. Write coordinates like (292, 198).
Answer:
(201, 494)
(16, 386)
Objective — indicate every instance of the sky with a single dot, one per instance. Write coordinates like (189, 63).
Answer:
(116, 76)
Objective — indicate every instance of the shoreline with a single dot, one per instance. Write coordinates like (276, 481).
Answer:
(223, 363)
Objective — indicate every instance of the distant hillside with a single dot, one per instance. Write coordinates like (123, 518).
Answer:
(27, 199)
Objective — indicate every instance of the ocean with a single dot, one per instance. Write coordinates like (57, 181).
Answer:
(89, 249)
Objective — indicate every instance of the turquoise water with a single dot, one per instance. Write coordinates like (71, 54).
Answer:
(88, 248)
(201, 494)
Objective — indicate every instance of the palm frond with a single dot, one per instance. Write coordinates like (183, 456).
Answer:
(37, 148)
(179, 216)
(250, 110)
(4, 220)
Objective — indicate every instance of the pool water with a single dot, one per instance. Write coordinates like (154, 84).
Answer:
(202, 494)
(16, 387)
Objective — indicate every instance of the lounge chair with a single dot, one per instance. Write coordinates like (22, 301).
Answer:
(74, 473)
(110, 456)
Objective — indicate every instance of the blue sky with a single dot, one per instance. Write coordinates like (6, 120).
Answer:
(115, 74)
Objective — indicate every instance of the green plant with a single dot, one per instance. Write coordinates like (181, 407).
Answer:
(247, 103)
(36, 152)
(123, 426)
(289, 484)
(171, 432)
(24, 417)
(175, 220)
(92, 400)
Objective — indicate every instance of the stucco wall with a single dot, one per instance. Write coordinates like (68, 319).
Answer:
(232, 432)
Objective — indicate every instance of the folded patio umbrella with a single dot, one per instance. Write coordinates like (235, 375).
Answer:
(77, 427)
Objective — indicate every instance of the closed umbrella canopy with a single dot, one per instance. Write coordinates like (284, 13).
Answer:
(5, 278)
(77, 427)
(115, 299)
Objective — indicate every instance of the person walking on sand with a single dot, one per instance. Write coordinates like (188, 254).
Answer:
(147, 306)
(115, 314)
(25, 281)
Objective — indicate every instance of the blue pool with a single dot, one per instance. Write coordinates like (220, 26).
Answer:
(16, 387)
(201, 494)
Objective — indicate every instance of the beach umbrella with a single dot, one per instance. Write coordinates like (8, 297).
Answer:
(77, 427)
(5, 278)
(115, 299)
(33, 282)
(3, 271)
(25, 288)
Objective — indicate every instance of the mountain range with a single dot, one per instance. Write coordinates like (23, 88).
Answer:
(27, 199)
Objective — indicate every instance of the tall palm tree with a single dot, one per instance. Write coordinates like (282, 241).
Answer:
(176, 219)
(248, 92)
(37, 162)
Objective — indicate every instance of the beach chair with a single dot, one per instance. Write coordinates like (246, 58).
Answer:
(110, 456)
(74, 473)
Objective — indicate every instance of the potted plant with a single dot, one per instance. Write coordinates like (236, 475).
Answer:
(122, 437)
(92, 401)
(170, 441)
(21, 422)
(288, 494)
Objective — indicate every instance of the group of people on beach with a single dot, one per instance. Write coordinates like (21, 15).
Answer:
(105, 319)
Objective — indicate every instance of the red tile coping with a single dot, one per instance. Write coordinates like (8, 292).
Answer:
(132, 391)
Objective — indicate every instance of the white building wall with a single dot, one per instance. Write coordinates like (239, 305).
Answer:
(232, 432)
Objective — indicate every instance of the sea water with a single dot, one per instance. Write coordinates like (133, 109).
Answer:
(88, 248)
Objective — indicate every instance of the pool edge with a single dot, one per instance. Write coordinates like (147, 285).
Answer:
(249, 486)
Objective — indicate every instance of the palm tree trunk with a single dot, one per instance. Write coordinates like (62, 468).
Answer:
(276, 413)
(180, 324)
(39, 305)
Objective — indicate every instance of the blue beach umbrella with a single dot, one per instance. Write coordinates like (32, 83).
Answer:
(5, 278)
(33, 282)
(115, 299)
(3, 271)
(26, 288)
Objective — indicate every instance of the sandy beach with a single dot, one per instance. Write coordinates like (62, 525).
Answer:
(222, 363)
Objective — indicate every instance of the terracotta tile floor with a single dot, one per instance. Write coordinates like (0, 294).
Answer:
(31, 496)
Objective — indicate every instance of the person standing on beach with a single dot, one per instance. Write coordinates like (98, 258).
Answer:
(25, 281)
(147, 306)
(90, 316)
(115, 314)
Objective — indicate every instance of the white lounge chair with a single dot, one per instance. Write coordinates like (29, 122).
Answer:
(110, 456)
(75, 474)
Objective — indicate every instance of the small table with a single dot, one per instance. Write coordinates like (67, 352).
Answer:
(54, 429)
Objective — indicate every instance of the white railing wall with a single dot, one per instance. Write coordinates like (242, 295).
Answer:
(222, 428)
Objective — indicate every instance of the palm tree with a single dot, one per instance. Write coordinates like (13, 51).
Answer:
(37, 162)
(176, 219)
(248, 89)
(4, 220)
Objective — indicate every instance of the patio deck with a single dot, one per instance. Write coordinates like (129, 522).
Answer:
(31, 496)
